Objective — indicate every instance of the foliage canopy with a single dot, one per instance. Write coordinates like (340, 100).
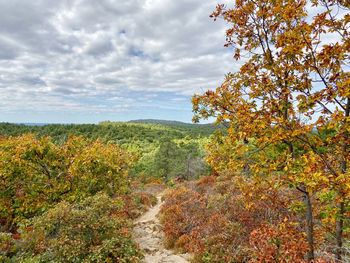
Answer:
(291, 97)
(36, 174)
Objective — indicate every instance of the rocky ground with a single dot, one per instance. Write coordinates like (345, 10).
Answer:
(150, 237)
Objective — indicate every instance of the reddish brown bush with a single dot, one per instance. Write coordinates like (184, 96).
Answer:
(218, 222)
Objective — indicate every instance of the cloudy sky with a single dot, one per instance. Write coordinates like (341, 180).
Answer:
(85, 61)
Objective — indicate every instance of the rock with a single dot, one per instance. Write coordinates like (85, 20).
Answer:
(149, 235)
(135, 213)
(174, 259)
(157, 227)
(151, 249)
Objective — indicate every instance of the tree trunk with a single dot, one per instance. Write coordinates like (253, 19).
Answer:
(339, 230)
(309, 226)
(188, 168)
(341, 205)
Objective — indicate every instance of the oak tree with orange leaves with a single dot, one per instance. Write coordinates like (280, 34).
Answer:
(292, 96)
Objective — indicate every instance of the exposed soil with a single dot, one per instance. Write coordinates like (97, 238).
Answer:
(149, 235)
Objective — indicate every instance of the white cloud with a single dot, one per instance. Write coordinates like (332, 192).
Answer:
(54, 55)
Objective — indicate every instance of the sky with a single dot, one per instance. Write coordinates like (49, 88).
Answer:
(86, 61)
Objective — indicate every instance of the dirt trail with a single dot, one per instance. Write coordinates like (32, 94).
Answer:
(149, 235)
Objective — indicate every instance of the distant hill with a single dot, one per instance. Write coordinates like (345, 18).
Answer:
(146, 131)
(32, 124)
(173, 123)
(164, 122)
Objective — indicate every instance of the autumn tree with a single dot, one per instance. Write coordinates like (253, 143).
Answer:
(291, 95)
(35, 174)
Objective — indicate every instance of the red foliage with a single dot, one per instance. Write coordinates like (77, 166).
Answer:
(16, 236)
(213, 226)
(279, 243)
(217, 222)
(206, 180)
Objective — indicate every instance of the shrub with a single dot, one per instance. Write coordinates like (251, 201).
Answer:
(214, 220)
(93, 230)
(36, 174)
(8, 247)
(282, 243)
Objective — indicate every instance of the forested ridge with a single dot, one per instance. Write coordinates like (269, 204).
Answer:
(162, 149)
(270, 182)
(121, 132)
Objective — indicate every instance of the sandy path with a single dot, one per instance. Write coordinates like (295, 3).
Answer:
(149, 235)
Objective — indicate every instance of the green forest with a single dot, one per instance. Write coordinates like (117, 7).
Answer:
(165, 151)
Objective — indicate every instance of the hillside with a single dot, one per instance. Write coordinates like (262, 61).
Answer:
(164, 122)
(207, 126)
(119, 132)
(151, 142)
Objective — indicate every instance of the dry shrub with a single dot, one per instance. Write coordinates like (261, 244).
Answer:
(204, 224)
(137, 203)
(277, 243)
(205, 180)
(217, 222)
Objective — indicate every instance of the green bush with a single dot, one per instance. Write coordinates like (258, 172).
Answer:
(35, 174)
(94, 230)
